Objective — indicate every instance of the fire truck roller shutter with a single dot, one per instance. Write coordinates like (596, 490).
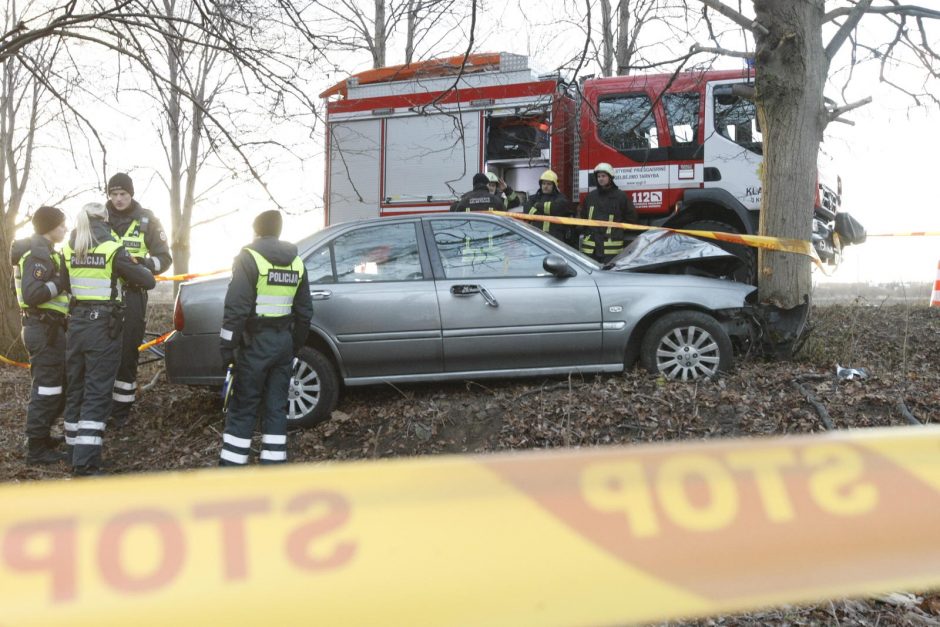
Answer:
(354, 170)
(423, 154)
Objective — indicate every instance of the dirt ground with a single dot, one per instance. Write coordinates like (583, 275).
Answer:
(899, 345)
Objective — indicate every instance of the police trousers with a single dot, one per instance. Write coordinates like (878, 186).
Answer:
(44, 338)
(135, 322)
(92, 360)
(262, 380)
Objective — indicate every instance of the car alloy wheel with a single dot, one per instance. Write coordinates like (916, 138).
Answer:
(304, 392)
(685, 346)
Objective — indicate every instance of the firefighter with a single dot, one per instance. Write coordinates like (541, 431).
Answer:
(480, 198)
(267, 317)
(41, 284)
(508, 195)
(548, 201)
(609, 204)
(144, 239)
(97, 264)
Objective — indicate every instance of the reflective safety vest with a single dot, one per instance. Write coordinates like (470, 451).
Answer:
(59, 302)
(611, 246)
(546, 211)
(276, 286)
(92, 276)
(133, 237)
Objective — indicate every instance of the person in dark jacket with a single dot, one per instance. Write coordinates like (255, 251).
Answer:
(97, 266)
(41, 284)
(609, 204)
(144, 239)
(267, 317)
(480, 198)
(548, 201)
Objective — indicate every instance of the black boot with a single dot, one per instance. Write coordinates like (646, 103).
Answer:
(87, 471)
(42, 451)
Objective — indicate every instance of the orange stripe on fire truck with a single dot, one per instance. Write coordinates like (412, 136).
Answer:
(589, 536)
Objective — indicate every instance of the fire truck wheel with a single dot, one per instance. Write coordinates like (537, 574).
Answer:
(686, 345)
(747, 273)
(313, 391)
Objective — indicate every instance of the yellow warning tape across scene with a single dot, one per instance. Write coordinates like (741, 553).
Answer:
(568, 537)
(908, 234)
(797, 246)
(188, 276)
(160, 340)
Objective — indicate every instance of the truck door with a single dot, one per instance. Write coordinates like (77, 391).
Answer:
(733, 144)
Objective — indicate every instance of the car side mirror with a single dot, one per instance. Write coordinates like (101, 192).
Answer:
(557, 266)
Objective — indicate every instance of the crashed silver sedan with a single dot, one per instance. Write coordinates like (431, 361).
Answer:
(439, 297)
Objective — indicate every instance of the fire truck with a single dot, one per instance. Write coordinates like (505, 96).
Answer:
(686, 147)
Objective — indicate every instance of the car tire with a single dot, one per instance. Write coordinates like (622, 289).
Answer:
(686, 345)
(313, 391)
(747, 273)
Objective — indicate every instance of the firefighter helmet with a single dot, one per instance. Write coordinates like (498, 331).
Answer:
(549, 176)
(606, 168)
(492, 178)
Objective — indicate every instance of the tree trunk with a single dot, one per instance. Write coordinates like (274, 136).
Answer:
(607, 40)
(379, 35)
(790, 76)
(10, 345)
(624, 45)
(411, 24)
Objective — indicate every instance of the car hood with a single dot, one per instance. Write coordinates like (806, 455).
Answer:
(671, 253)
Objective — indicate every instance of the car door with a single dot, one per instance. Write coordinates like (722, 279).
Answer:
(374, 296)
(500, 310)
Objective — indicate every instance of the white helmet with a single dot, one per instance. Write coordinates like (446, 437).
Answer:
(606, 168)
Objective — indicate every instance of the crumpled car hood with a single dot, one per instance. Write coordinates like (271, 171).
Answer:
(674, 253)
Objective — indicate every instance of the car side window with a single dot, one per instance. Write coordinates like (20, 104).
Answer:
(320, 266)
(474, 248)
(388, 252)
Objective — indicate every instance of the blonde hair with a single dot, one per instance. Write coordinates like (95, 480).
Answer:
(84, 239)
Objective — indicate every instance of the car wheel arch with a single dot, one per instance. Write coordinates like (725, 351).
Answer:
(632, 350)
(320, 341)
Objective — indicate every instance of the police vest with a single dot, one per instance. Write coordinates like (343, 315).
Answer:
(59, 302)
(134, 237)
(92, 276)
(276, 286)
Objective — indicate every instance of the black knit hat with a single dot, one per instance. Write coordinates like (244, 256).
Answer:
(268, 223)
(480, 179)
(47, 218)
(121, 182)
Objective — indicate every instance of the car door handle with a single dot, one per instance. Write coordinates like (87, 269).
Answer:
(467, 290)
(320, 294)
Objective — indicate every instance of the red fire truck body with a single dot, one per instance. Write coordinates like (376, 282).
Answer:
(686, 147)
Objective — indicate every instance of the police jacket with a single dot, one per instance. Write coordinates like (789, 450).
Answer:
(479, 199)
(242, 292)
(43, 274)
(608, 204)
(124, 266)
(143, 235)
(554, 204)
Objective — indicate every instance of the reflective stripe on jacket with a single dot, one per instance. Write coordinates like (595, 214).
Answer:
(59, 302)
(92, 276)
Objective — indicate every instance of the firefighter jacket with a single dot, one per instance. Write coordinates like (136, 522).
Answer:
(608, 204)
(96, 276)
(479, 199)
(39, 275)
(554, 204)
(269, 281)
(142, 234)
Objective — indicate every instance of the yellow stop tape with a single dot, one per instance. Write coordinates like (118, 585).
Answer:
(564, 537)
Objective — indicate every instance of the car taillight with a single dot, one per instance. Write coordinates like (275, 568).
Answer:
(178, 319)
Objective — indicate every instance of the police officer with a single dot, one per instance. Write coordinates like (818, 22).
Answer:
(607, 203)
(267, 317)
(480, 198)
(96, 262)
(500, 189)
(548, 201)
(41, 285)
(144, 239)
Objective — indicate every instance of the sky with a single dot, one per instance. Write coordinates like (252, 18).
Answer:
(887, 160)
